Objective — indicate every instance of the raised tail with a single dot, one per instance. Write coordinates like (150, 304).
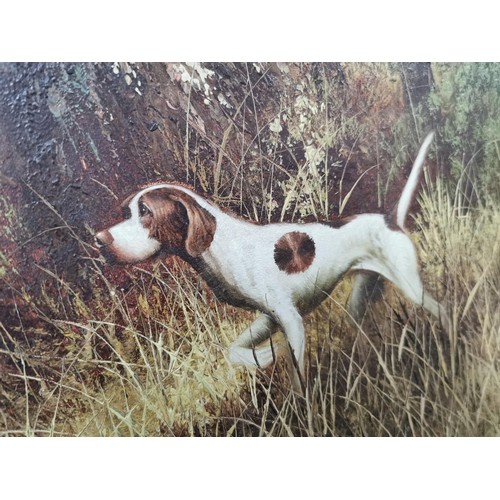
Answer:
(409, 190)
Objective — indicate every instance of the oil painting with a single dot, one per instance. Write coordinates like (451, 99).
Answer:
(249, 249)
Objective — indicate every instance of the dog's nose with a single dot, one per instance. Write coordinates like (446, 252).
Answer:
(103, 239)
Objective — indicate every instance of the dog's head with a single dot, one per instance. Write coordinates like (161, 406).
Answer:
(158, 218)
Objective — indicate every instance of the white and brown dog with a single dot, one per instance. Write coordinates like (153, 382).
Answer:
(282, 270)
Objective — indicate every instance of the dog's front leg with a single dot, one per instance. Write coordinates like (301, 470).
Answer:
(293, 328)
(244, 350)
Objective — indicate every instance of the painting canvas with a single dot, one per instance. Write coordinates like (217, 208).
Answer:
(141, 346)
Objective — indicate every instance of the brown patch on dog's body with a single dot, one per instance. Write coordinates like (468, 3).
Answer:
(294, 252)
(391, 221)
(338, 222)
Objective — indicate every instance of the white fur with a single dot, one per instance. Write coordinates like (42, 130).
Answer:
(408, 192)
(134, 239)
(240, 258)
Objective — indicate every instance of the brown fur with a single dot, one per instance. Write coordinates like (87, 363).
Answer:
(391, 221)
(294, 252)
(339, 221)
(178, 221)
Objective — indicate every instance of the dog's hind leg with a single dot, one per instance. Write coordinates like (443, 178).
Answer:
(407, 279)
(368, 286)
(417, 294)
(401, 267)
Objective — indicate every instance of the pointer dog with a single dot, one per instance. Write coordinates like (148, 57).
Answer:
(282, 270)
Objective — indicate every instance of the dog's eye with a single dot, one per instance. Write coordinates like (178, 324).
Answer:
(143, 209)
(126, 213)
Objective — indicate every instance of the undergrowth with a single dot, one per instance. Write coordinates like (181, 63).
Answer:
(152, 359)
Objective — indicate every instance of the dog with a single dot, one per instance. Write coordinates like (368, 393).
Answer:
(282, 270)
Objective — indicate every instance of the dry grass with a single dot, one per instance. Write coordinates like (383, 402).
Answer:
(152, 360)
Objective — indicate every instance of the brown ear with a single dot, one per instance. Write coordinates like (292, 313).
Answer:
(201, 224)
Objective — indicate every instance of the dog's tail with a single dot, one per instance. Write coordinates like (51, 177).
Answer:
(400, 213)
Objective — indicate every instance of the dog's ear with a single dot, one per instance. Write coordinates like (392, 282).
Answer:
(201, 227)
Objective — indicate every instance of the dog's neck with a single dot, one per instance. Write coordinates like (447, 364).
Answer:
(223, 290)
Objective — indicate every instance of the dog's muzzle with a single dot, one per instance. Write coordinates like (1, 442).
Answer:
(103, 239)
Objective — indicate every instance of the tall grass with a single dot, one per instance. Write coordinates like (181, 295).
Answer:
(152, 360)
(423, 382)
